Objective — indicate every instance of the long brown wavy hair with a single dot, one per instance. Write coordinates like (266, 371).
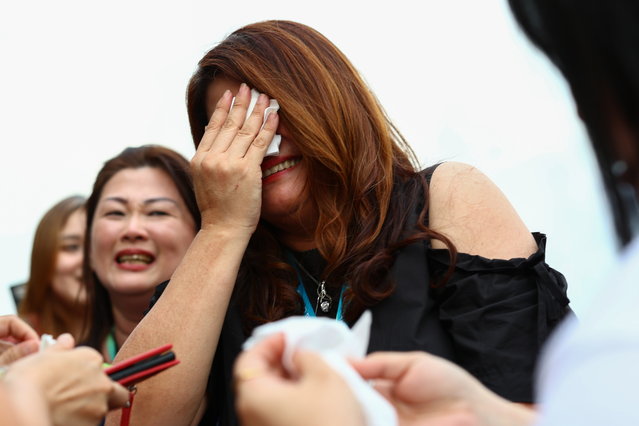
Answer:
(363, 178)
(40, 303)
(155, 156)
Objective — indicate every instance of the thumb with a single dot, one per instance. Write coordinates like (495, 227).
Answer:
(310, 364)
(64, 341)
(119, 396)
(18, 351)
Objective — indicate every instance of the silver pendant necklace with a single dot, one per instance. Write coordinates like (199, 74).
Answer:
(323, 300)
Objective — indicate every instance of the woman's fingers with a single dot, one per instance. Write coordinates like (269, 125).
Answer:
(216, 122)
(385, 365)
(119, 396)
(233, 132)
(246, 135)
(257, 149)
(16, 330)
(64, 341)
(385, 388)
(18, 351)
(232, 127)
(226, 167)
(261, 360)
(311, 365)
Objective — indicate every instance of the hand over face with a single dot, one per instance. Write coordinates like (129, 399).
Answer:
(267, 395)
(17, 339)
(68, 383)
(226, 166)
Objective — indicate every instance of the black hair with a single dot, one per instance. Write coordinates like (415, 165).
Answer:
(595, 44)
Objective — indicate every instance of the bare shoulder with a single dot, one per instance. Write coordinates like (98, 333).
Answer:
(467, 207)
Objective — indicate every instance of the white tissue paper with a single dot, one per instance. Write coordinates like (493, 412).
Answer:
(274, 146)
(334, 342)
(46, 340)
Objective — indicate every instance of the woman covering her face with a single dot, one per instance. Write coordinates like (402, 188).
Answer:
(142, 217)
(341, 221)
(55, 299)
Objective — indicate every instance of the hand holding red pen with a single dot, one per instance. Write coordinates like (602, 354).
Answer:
(65, 384)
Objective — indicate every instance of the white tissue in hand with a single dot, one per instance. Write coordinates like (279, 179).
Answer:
(334, 342)
(274, 146)
(46, 340)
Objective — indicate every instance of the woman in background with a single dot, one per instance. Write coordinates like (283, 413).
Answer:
(142, 216)
(55, 299)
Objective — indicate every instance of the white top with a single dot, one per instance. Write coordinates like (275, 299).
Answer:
(589, 373)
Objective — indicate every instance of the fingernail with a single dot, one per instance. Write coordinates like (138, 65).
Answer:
(262, 99)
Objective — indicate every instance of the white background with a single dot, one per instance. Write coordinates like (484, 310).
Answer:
(81, 80)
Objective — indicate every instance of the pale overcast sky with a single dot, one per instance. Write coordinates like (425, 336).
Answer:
(82, 80)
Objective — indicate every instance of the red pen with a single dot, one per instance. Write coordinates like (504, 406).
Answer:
(143, 365)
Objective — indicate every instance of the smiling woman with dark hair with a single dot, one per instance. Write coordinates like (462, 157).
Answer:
(142, 216)
(341, 221)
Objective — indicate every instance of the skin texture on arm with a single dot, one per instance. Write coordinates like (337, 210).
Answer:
(190, 313)
(475, 215)
(468, 208)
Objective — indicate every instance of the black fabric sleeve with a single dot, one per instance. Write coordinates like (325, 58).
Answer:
(499, 313)
(159, 289)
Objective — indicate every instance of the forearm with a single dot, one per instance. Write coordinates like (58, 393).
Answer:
(189, 315)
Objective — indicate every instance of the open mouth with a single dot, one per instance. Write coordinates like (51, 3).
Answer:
(287, 164)
(135, 259)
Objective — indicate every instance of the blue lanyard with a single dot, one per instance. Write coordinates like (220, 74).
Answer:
(112, 346)
(308, 308)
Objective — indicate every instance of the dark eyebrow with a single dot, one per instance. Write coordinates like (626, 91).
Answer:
(146, 202)
(155, 200)
(116, 199)
(71, 237)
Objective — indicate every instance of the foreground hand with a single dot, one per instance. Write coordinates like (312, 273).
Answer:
(226, 166)
(267, 395)
(426, 389)
(69, 384)
(17, 339)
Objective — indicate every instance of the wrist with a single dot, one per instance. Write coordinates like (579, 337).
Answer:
(501, 412)
(225, 233)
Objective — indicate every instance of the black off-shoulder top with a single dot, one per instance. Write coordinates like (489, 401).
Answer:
(491, 317)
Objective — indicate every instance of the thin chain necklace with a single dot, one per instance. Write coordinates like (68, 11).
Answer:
(323, 299)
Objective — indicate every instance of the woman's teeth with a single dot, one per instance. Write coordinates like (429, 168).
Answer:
(134, 258)
(279, 167)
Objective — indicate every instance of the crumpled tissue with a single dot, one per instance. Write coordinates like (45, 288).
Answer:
(334, 342)
(274, 146)
(46, 340)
